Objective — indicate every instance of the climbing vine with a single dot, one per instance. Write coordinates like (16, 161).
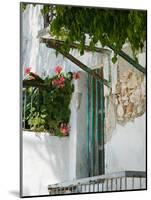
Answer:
(47, 108)
(110, 27)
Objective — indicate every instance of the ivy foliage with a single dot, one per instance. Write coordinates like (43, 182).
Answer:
(47, 108)
(110, 27)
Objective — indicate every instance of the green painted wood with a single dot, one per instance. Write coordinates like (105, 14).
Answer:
(78, 63)
(99, 124)
(129, 59)
(92, 127)
(95, 126)
(56, 44)
(101, 158)
(97, 133)
(88, 122)
(102, 109)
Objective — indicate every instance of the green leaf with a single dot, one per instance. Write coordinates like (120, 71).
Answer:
(43, 113)
(43, 116)
(114, 59)
(110, 27)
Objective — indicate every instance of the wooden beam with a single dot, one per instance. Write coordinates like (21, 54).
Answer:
(60, 43)
(78, 63)
(129, 60)
(35, 83)
(121, 53)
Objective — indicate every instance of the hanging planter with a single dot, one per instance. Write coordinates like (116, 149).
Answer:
(46, 101)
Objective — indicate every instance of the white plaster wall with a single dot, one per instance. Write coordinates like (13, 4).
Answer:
(81, 146)
(43, 59)
(126, 149)
(45, 161)
(49, 159)
(38, 157)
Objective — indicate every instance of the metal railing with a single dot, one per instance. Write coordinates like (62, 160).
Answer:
(27, 104)
(118, 181)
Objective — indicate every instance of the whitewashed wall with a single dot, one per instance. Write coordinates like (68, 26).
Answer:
(126, 148)
(49, 159)
(43, 59)
(45, 161)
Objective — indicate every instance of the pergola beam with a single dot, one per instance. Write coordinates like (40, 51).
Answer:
(129, 60)
(97, 49)
(73, 45)
(56, 46)
(35, 83)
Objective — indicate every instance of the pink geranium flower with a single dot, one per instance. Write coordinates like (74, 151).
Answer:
(76, 75)
(54, 82)
(62, 79)
(58, 69)
(59, 82)
(64, 129)
(27, 70)
(31, 78)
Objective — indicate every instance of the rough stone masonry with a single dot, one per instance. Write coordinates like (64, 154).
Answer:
(128, 102)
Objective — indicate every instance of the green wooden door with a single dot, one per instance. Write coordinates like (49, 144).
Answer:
(95, 126)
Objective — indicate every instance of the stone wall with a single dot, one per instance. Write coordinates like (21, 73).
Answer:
(127, 100)
(130, 97)
(125, 121)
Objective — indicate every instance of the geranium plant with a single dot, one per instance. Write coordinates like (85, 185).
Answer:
(47, 108)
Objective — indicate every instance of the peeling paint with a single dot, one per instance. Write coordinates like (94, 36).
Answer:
(127, 102)
(131, 96)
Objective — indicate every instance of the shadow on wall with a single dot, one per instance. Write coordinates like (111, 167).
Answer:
(51, 151)
(34, 53)
(31, 23)
(60, 156)
(14, 193)
(45, 161)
